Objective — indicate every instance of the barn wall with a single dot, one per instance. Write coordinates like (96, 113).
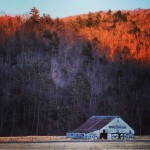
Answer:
(117, 126)
(75, 135)
(118, 129)
(92, 135)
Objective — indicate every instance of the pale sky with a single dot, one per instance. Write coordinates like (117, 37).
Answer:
(63, 8)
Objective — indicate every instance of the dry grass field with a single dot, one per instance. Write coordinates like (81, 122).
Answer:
(33, 138)
(61, 143)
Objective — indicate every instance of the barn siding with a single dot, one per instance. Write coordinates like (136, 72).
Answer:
(117, 126)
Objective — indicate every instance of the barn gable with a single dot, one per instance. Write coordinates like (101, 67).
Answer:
(102, 127)
(117, 125)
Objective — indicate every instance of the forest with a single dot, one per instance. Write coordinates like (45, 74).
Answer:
(55, 73)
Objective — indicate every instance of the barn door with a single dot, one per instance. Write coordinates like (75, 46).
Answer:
(103, 135)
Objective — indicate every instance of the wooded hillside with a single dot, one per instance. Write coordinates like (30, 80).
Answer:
(56, 73)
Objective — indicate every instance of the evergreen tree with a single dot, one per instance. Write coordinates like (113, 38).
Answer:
(81, 22)
(118, 16)
(35, 17)
(98, 19)
(90, 20)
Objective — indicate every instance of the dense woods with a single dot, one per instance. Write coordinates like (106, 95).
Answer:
(56, 73)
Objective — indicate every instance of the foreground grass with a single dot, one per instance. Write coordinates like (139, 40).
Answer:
(77, 145)
(49, 138)
(33, 138)
(61, 143)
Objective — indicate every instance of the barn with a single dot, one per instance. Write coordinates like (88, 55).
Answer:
(106, 127)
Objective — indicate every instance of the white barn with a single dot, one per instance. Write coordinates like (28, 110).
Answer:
(107, 127)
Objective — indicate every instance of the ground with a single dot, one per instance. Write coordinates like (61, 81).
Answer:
(61, 143)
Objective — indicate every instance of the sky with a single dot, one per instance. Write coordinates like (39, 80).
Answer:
(64, 8)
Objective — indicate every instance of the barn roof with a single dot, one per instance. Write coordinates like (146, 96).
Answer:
(94, 123)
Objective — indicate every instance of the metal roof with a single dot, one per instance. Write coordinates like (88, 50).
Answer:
(94, 123)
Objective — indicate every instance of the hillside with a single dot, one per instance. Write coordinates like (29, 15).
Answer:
(124, 31)
(56, 73)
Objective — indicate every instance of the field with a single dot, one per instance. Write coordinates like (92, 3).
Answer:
(61, 143)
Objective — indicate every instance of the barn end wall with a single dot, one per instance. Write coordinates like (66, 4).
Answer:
(117, 126)
(118, 129)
